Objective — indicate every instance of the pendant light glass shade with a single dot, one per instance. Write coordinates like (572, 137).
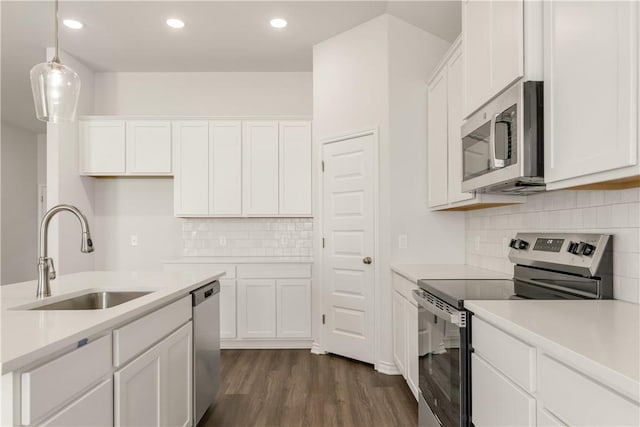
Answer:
(56, 89)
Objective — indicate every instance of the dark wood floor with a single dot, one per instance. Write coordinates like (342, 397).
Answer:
(297, 388)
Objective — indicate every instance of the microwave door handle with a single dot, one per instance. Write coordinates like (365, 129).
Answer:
(497, 163)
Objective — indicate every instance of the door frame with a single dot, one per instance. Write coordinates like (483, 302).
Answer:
(321, 347)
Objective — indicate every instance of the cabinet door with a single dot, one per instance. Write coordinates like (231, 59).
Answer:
(102, 145)
(225, 173)
(399, 331)
(191, 157)
(148, 147)
(260, 168)
(497, 401)
(507, 44)
(411, 319)
(293, 305)
(257, 308)
(227, 308)
(455, 70)
(590, 78)
(437, 139)
(476, 41)
(295, 168)
(137, 396)
(94, 408)
(177, 384)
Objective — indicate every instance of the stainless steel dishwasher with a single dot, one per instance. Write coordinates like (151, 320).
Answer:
(206, 347)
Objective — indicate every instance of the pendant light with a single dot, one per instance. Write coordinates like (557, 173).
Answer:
(55, 88)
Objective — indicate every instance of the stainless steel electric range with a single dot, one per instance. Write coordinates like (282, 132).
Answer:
(547, 266)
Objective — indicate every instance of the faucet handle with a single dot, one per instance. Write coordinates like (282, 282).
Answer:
(52, 270)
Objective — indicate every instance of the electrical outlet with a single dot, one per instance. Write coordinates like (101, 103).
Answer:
(476, 243)
(402, 241)
(223, 240)
(134, 240)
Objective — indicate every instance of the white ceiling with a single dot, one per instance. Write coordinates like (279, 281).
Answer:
(219, 36)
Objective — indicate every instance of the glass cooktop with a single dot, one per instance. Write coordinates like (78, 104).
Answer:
(455, 292)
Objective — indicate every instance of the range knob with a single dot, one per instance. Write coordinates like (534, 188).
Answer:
(518, 244)
(588, 249)
(573, 248)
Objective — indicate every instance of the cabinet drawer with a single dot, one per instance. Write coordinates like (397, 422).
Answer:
(514, 358)
(405, 287)
(229, 269)
(274, 271)
(55, 383)
(94, 408)
(496, 400)
(565, 391)
(141, 334)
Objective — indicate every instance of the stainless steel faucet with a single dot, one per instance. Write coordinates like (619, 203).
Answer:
(46, 271)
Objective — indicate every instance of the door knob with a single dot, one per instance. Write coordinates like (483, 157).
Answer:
(367, 260)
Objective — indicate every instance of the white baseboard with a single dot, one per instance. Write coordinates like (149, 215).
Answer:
(316, 349)
(264, 344)
(387, 368)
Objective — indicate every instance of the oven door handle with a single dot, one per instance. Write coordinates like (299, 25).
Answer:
(440, 308)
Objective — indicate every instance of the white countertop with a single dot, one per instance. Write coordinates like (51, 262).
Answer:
(241, 260)
(28, 335)
(415, 272)
(601, 338)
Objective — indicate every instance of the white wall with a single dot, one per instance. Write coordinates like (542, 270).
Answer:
(204, 94)
(142, 206)
(64, 185)
(19, 204)
(611, 212)
(375, 75)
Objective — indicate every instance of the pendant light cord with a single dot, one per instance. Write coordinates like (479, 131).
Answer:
(56, 58)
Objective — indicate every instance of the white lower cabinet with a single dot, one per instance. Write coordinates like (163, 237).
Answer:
(496, 400)
(515, 383)
(227, 308)
(257, 308)
(406, 331)
(155, 389)
(293, 303)
(96, 406)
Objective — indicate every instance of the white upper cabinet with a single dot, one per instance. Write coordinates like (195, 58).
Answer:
(119, 147)
(591, 93)
(260, 168)
(148, 147)
(493, 47)
(295, 168)
(102, 147)
(225, 168)
(437, 135)
(191, 164)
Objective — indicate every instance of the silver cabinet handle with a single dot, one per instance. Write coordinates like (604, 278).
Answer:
(367, 260)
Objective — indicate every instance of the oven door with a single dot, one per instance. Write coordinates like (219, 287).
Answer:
(443, 362)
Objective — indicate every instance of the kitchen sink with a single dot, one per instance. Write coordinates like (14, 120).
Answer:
(92, 301)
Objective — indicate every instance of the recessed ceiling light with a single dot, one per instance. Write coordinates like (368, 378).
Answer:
(73, 24)
(175, 23)
(278, 23)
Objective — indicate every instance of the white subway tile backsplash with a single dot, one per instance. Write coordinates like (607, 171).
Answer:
(247, 237)
(612, 212)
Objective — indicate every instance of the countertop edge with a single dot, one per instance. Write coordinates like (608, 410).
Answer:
(601, 373)
(407, 271)
(21, 361)
(239, 260)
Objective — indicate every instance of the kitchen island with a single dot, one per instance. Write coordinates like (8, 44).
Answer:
(61, 365)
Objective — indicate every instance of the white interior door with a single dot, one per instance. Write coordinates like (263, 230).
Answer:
(349, 233)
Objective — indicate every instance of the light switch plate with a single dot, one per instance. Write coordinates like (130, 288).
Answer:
(134, 240)
(402, 241)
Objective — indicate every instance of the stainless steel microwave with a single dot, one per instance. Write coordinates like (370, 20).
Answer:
(503, 143)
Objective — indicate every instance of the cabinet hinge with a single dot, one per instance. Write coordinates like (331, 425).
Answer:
(323, 243)
(323, 319)
(322, 166)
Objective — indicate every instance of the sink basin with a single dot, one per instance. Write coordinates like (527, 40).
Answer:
(92, 301)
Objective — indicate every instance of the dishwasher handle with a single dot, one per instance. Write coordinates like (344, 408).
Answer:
(200, 295)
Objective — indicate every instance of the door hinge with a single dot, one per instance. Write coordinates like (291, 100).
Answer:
(323, 243)
(322, 166)
(323, 319)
